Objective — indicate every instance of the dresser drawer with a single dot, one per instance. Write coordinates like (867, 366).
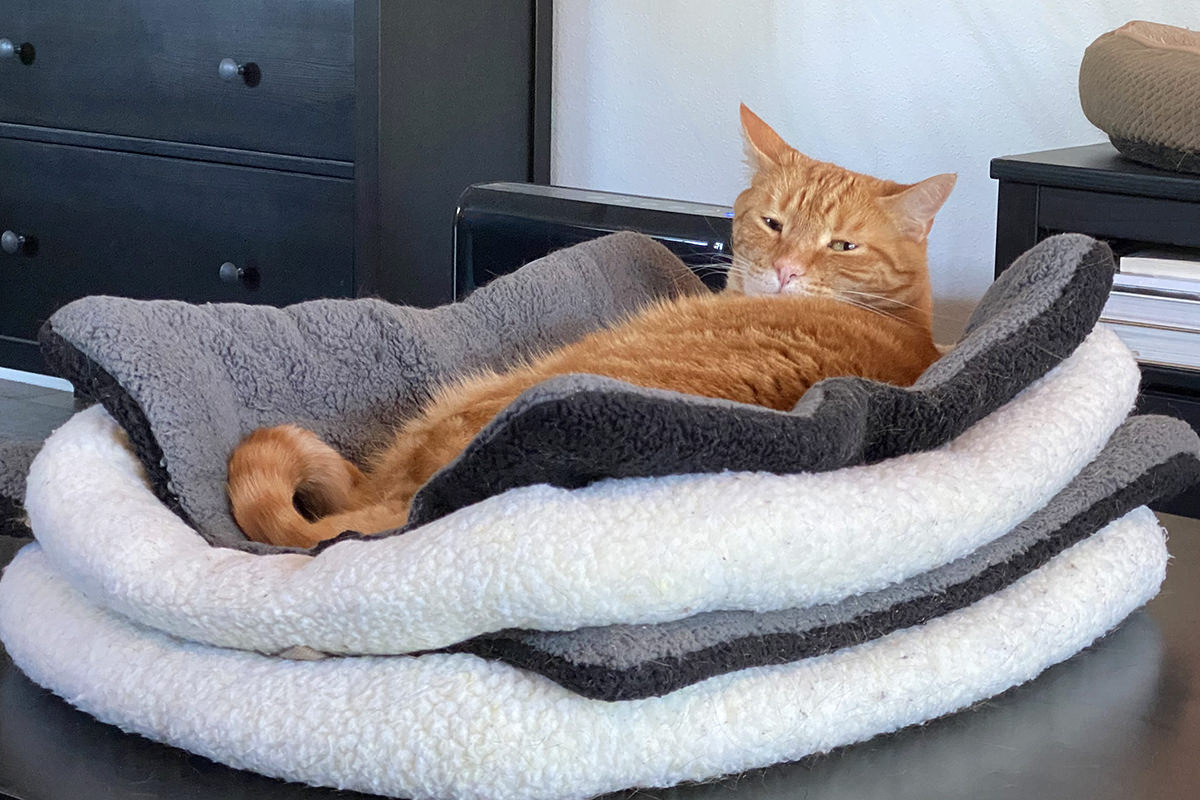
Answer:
(151, 69)
(100, 222)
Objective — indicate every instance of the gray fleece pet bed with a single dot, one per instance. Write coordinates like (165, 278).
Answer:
(187, 382)
(15, 458)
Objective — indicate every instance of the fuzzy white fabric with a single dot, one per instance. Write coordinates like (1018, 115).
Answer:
(456, 726)
(635, 550)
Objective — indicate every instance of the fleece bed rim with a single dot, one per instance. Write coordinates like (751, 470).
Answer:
(138, 558)
(138, 357)
(478, 729)
(1147, 458)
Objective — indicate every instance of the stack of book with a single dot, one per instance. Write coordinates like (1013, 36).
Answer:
(1155, 306)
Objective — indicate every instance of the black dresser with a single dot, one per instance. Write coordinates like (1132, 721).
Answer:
(1093, 190)
(262, 151)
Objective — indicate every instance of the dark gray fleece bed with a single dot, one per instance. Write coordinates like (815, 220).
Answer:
(15, 457)
(187, 382)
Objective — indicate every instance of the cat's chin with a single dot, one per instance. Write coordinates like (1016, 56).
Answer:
(756, 286)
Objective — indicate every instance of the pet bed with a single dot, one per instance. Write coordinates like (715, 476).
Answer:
(1140, 84)
(583, 604)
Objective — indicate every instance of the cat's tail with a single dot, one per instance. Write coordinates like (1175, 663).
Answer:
(274, 468)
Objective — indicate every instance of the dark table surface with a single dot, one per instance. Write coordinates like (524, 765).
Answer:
(1120, 720)
(1099, 167)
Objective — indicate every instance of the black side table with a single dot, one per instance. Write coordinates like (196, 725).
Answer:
(1093, 190)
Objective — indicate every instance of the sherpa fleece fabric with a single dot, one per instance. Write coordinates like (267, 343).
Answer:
(1146, 458)
(196, 591)
(544, 558)
(187, 382)
(15, 458)
(962, 563)
(458, 726)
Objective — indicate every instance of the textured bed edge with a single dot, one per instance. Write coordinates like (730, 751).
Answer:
(520, 737)
(15, 458)
(1051, 302)
(94, 384)
(601, 663)
(563, 552)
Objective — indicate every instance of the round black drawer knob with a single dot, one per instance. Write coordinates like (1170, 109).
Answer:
(230, 70)
(22, 52)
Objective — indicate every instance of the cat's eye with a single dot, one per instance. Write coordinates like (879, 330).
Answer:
(773, 224)
(841, 245)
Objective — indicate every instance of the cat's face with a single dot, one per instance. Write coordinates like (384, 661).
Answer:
(809, 227)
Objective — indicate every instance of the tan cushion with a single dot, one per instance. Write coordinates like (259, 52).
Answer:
(1140, 84)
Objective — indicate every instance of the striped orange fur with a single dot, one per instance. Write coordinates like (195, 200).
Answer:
(829, 278)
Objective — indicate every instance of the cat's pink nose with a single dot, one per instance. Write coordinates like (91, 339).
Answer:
(788, 271)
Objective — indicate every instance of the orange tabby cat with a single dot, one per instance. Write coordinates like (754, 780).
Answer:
(829, 278)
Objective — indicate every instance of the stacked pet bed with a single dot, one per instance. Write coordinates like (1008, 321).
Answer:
(1140, 84)
(612, 586)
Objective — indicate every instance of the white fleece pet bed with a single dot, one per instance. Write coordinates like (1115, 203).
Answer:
(1018, 542)
(440, 726)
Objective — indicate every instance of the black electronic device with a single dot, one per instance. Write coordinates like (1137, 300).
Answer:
(502, 226)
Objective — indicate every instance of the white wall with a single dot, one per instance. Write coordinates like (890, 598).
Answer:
(646, 95)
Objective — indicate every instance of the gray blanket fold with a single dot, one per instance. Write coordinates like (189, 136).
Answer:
(577, 429)
(15, 458)
(187, 382)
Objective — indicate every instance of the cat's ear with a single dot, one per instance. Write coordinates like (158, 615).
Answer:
(764, 147)
(914, 208)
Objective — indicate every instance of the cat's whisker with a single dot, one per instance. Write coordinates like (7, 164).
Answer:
(879, 297)
(716, 258)
(734, 266)
(740, 266)
(709, 269)
(857, 304)
(943, 317)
